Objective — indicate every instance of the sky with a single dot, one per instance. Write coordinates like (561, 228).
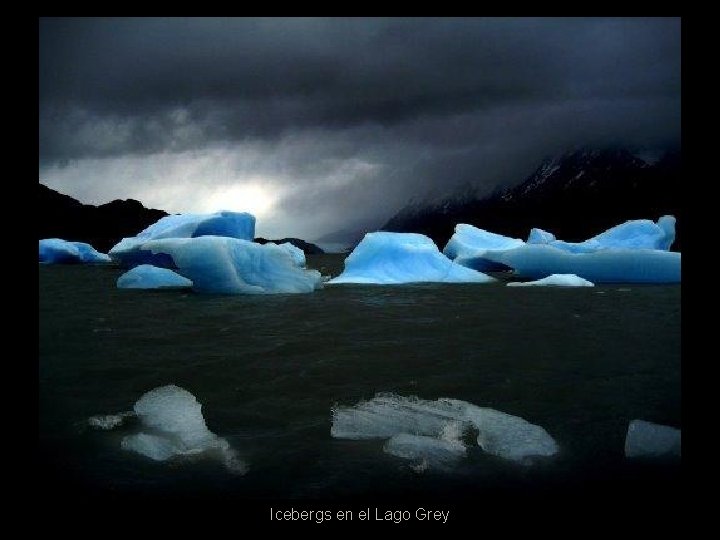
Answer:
(333, 124)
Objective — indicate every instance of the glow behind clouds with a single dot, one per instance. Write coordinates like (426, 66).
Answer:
(325, 124)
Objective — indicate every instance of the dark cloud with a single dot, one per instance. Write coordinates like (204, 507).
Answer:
(431, 104)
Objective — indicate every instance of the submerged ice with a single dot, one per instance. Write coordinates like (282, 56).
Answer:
(433, 431)
(129, 252)
(555, 280)
(171, 426)
(645, 439)
(57, 250)
(393, 258)
(146, 276)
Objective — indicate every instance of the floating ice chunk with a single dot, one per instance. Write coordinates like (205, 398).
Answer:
(435, 428)
(604, 266)
(558, 280)
(146, 276)
(392, 258)
(56, 250)
(173, 425)
(468, 245)
(129, 252)
(634, 234)
(228, 265)
(645, 439)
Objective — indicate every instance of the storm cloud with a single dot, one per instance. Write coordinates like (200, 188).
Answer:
(339, 122)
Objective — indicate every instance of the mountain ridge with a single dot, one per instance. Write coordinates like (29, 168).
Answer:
(575, 196)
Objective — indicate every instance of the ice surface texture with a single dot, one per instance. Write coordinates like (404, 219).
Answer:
(604, 266)
(557, 280)
(146, 276)
(56, 250)
(231, 266)
(468, 245)
(432, 430)
(645, 439)
(634, 234)
(392, 258)
(173, 425)
(128, 252)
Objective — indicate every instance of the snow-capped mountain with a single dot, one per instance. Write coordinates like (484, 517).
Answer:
(574, 196)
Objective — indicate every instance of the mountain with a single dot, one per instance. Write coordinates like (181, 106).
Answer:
(105, 225)
(102, 226)
(307, 247)
(574, 196)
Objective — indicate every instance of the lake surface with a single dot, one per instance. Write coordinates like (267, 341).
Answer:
(580, 362)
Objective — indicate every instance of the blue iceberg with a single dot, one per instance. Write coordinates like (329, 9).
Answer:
(535, 261)
(146, 276)
(128, 251)
(555, 280)
(634, 234)
(218, 264)
(56, 250)
(392, 258)
(468, 245)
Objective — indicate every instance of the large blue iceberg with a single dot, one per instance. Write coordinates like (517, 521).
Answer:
(146, 276)
(218, 264)
(56, 250)
(128, 251)
(392, 258)
(633, 252)
(634, 234)
(468, 245)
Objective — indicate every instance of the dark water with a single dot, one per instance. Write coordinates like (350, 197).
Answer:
(267, 369)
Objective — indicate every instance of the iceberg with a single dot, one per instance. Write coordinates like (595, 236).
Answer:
(57, 250)
(468, 245)
(224, 265)
(146, 276)
(433, 430)
(633, 234)
(393, 258)
(636, 251)
(645, 439)
(612, 265)
(172, 425)
(128, 252)
(557, 280)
